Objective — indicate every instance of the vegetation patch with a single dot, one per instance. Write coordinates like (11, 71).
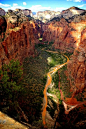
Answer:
(35, 75)
(64, 82)
(56, 59)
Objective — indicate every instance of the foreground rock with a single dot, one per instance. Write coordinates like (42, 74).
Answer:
(7, 122)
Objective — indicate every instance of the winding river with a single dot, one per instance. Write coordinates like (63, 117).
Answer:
(67, 106)
(48, 83)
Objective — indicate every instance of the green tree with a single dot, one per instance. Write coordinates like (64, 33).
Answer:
(11, 88)
(10, 81)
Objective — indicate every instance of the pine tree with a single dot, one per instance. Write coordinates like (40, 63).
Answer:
(10, 81)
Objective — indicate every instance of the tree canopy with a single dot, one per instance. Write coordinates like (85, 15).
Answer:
(10, 80)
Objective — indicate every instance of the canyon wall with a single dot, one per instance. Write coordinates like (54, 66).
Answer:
(65, 33)
(18, 36)
(77, 68)
(18, 43)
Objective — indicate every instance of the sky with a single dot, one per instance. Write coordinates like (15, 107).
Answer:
(41, 5)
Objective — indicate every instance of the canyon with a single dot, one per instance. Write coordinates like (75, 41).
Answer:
(17, 37)
(67, 31)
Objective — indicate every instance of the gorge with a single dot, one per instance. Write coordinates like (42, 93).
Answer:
(61, 50)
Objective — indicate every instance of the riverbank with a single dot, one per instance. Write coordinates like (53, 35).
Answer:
(48, 115)
(35, 71)
(56, 114)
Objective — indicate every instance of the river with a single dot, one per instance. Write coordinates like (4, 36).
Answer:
(48, 83)
(68, 106)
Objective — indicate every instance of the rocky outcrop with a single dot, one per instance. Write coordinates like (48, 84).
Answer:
(18, 44)
(6, 121)
(27, 12)
(2, 12)
(77, 67)
(15, 18)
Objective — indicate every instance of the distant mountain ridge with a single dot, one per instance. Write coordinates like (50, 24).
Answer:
(47, 15)
(71, 12)
(73, 7)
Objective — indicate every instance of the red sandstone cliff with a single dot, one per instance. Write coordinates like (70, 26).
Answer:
(18, 43)
(77, 67)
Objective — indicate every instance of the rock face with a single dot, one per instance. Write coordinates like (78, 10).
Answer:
(2, 12)
(65, 33)
(17, 36)
(11, 123)
(77, 67)
(3, 26)
(18, 44)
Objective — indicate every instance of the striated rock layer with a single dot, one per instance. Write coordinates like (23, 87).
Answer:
(77, 67)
